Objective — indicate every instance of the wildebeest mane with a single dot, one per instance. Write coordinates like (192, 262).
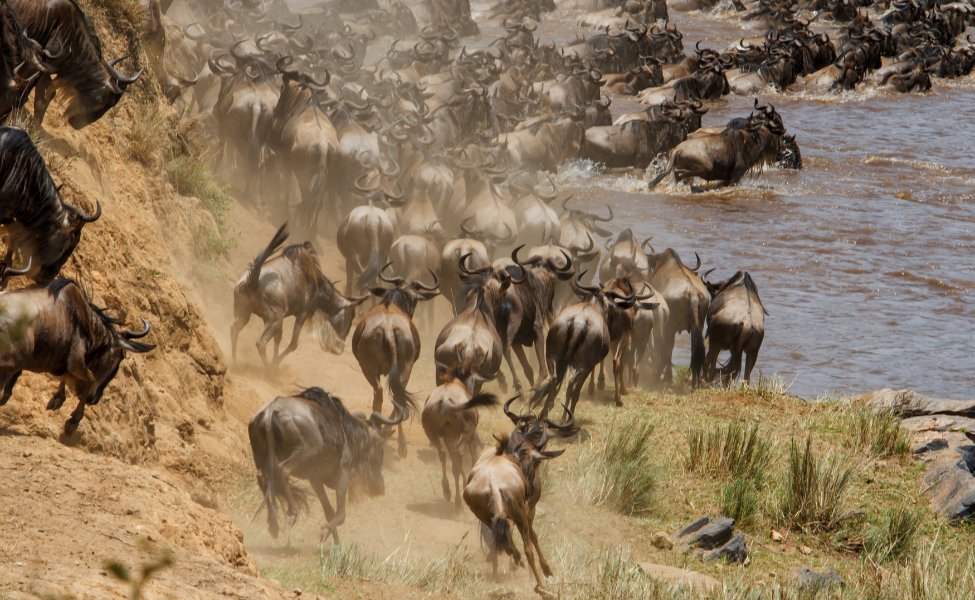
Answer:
(400, 298)
(354, 429)
(27, 192)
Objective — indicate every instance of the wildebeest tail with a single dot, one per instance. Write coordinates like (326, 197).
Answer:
(273, 493)
(370, 271)
(481, 400)
(501, 528)
(280, 237)
(402, 399)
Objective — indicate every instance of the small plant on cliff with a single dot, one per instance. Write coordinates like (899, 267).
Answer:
(138, 580)
(813, 497)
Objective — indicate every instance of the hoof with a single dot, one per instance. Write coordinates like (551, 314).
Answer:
(70, 427)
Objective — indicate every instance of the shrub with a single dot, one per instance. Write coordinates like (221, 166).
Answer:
(736, 451)
(814, 492)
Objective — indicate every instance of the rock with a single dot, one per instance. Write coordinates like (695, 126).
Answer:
(736, 550)
(805, 550)
(661, 541)
(908, 404)
(673, 575)
(776, 536)
(939, 422)
(952, 487)
(706, 533)
(809, 580)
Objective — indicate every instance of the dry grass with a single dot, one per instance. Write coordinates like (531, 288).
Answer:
(146, 134)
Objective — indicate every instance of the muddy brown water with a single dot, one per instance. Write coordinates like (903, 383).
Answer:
(863, 259)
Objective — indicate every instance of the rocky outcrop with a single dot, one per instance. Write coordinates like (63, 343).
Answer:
(713, 539)
(943, 436)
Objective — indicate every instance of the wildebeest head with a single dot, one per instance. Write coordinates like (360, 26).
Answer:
(405, 294)
(95, 96)
(370, 469)
(57, 249)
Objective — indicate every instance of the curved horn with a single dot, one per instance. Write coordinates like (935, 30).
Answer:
(515, 418)
(698, 257)
(588, 289)
(8, 272)
(606, 219)
(646, 244)
(432, 288)
(397, 281)
(122, 80)
(134, 335)
(89, 218)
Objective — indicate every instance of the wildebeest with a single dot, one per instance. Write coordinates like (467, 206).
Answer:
(472, 337)
(73, 61)
(387, 343)
(290, 285)
(364, 238)
(55, 329)
(581, 337)
(449, 419)
(687, 298)
(450, 277)
(505, 485)
(41, 227)
(736, 322)
(312, 436)
(726, 157)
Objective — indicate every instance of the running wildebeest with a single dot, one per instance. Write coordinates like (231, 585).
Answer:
(312, 436)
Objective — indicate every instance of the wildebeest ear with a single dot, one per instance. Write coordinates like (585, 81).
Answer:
(649, 305)
(134, 346)
(377, 291)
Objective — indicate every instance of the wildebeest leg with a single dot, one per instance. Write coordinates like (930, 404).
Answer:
(711, 361)
(438, 444)
(341, 489)
(71, 425)
(602, 376)
(574, 389)
(349, 275)
(750, 357)
(524, 527)
(293, 344)
(43, 94)
(511, 367)
(8, 386)
(58, 398)
(457, 464)
(546, 569)
(525, 365)
(235, 330)
(731, 370)
(270, 330)
(540, 338)
(319, 488)
(618, 375)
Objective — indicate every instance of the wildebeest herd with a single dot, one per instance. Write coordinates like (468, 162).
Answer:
(428, 161)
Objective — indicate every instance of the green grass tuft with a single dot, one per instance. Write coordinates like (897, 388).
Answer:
(734, 451)
(878, 433)
(617, 470)
(814, 494)
(739, 500)
(895, 536)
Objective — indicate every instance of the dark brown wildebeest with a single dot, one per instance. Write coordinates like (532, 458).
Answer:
(449, 419)
(472, 336)
(528, 310)
(312, 436)
(581, 337)
(73, 61)
(290, 285)
(387, 343)
(726, 157)
(505, 485)
(687, 298)
(42, 228)
(55, 329)
(736, 322)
